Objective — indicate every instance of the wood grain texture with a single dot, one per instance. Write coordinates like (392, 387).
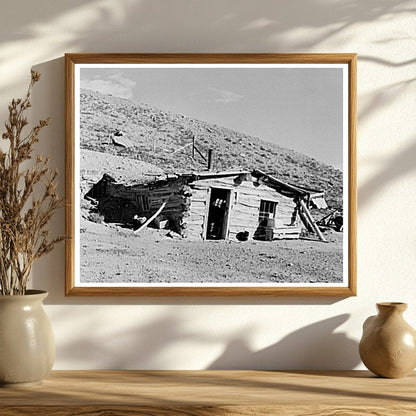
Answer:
(69, 174)
(277, 58)
(212, 291)
(325, 58)
(202, 393)
(209, 411)
(352, 175)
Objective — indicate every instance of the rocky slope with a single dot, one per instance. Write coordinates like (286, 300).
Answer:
(121, 127)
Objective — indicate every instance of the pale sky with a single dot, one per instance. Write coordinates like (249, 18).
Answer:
(299, 108)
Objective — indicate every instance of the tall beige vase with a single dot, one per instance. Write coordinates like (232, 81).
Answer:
(388, 345)
(27, 347)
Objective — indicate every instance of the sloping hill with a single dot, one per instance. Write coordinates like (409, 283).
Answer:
(121, 127)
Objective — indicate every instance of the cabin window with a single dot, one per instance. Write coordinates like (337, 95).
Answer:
(142, 202)
(267, 210)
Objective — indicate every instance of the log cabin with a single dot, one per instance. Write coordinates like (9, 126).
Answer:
(231, 205)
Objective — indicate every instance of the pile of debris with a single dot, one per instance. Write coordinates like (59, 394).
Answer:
(333, 220)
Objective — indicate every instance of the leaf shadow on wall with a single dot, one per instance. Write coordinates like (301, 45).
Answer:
(313, 347)
(106, 26)
(403, 163)
(144, 346)
(244, 27)
(392, 170)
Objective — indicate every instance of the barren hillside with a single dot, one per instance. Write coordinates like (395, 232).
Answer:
(121, 127)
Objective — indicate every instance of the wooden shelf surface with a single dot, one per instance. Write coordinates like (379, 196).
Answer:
(202, 393)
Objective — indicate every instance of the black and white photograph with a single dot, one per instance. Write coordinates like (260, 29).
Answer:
(211, 174)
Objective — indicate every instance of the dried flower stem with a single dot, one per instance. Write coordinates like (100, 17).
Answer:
(23, 217)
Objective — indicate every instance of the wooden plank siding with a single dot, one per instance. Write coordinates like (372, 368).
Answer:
(244, 206)
(187, 205)
(198, 212)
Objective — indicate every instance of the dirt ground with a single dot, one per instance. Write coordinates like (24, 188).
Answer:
(112, 254)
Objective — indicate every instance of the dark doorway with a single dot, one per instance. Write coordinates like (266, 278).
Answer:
(218, 214)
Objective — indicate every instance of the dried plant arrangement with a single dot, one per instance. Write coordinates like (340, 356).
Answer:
(28, 198)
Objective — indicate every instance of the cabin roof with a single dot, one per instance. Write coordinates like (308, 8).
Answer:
(280, 186)
(289, 190)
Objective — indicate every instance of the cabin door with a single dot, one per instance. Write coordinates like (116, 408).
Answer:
(219, 206)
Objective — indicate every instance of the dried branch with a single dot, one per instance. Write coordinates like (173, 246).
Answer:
(23, 218)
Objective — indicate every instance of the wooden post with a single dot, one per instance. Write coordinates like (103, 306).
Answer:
(312, 222)
(200, 154)
(305, 220)
(209, 158)
(193, 147)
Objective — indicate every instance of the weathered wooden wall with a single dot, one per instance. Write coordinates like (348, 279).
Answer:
(187, 206)
(128, 195)
(244, 206)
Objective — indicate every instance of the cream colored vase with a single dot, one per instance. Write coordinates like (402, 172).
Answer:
(27, 347)
(388, 344)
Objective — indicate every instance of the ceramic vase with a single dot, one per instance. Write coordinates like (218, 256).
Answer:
(27, 347)
(388, 345)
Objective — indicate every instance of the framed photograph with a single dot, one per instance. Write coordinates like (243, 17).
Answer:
(211, 174)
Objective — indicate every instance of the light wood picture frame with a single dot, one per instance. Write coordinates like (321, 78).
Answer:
(210, 174)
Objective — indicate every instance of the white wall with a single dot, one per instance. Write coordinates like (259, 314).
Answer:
(199, 333)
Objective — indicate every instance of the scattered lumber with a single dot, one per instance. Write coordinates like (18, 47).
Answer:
(151, 218)
(333, 220)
